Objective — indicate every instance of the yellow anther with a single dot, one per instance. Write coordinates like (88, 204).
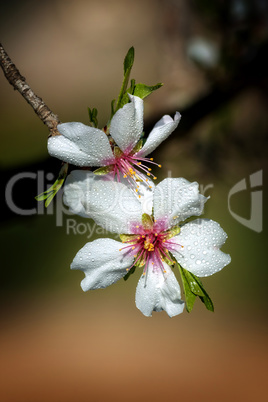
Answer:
(137, 226)
(133, 248)
(156, 234)
(143, 236)
(165, 272)
(143, 274)
(150, 186)
(149, 169)
(120, 249)
(139, 196)
(139, 163)
(160, 166)
(151, 159)
(125, 176)
(152, 263)
(146, 179)
(148, 174)
(155, 178)
(148, 246)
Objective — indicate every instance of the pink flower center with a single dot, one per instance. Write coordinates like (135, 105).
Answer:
(133, 169)
(150, 247)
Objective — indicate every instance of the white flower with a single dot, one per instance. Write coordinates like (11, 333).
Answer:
(148, 242)
(122, 152)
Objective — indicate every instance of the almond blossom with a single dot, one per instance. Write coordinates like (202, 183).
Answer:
(120, 151)
(151, 241)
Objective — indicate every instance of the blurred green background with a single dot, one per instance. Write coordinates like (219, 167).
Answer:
(60, 344)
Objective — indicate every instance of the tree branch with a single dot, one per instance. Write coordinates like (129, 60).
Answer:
(19, 83)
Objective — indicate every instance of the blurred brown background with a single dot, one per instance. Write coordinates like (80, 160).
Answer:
(60, 344)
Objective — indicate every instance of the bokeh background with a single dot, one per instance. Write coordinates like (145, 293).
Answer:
(60, 344)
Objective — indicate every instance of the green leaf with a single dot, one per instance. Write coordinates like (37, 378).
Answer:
(128, 63)
(147, 222)
(195, 287)
(189, 295)
(104, 170)
(142, 90)
(50, 198)
(112, 107)
(49, 194)
(129, 60)
(205, 299)
(132, 87)
(130, 272)
(93, 116)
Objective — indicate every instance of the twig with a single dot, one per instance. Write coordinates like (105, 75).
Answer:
(15, 79)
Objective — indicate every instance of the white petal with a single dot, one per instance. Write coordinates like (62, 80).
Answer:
(146, 197)
(102, 263)
(74, 190)
(201, 240)
(81, 145)
(157, 291)
(67, 151)
(127, 124)
(175, 200)
(112, 205)
(144, 194)
(162, 129)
